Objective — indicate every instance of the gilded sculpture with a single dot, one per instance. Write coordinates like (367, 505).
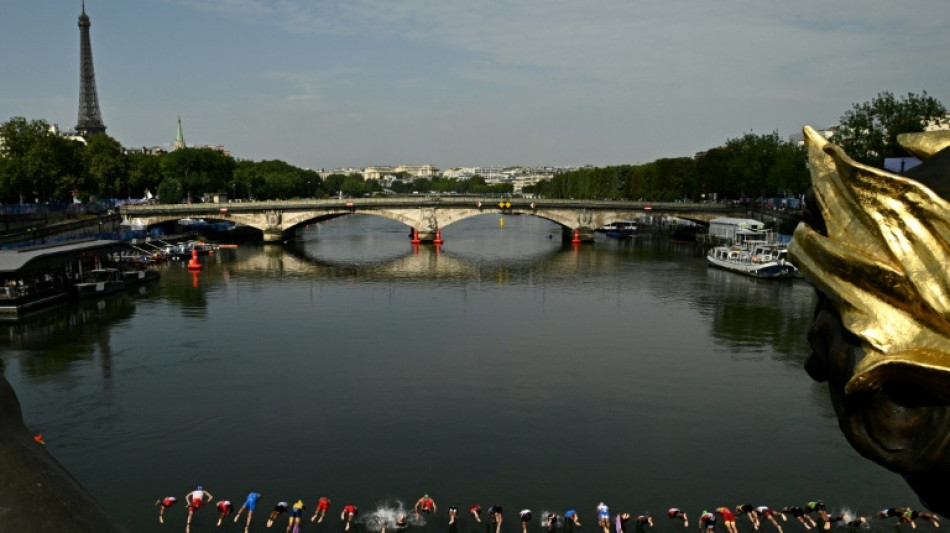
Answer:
(877, 248)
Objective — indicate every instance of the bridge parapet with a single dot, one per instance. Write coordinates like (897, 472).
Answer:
(422, 212)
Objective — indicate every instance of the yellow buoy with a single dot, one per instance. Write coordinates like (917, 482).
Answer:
(501, 222)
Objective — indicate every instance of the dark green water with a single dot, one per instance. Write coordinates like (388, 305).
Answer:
(507, 369)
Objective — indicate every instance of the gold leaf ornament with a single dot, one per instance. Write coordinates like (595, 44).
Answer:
(884, 264)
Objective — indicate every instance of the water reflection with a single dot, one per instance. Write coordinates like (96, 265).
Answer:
(53, 341)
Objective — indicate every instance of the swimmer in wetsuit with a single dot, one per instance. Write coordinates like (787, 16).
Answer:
(728, 518)
(163, 504)
(296, 513)
(250, 504)
(571, 518)
(323, 505)
(496, 516)
(909, 515)
(551, 522)
(453, 514)
(425, 505)
(749, 510)
(279, 509)
(224, 509)
(476, 511)
(799, 515)
(675, 513)
(603, 517)
(707, 522)
(643, 521)
(769, 514)
(525, 515)
(348, 514)
(818, 506)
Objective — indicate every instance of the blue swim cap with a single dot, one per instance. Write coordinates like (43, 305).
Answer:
(200, 487)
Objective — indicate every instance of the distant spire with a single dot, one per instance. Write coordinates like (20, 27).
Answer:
(180, 138)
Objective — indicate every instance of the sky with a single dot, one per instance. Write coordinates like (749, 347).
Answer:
(326, 84)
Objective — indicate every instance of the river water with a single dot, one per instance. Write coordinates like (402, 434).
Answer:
(506, 368)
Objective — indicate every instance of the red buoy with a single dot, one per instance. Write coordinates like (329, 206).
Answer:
(415, 237)
(577, 237)
(194, 264)
(438, 237)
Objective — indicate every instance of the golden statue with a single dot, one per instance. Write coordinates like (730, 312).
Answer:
(878, 250)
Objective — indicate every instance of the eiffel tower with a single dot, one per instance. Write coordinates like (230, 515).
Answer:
(90, 118)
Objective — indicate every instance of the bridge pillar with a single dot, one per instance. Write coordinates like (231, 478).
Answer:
(273, 236)
(584, 234)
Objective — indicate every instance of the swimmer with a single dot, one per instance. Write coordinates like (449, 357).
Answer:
(620, 522)
(707, 522)
(279, 509)
(453, 514)
(525, 515)
(643, 521)
(819, 507)
(195, 500)
(476, 511)
(678, 514)
(769, 514)
(748, 510)
(163, 504)
(250, 504)
(855, 525)
(571, 518)
(496, 516)
(799, 515)
(552, 522)
(890, 512)
(425, 505)
(603, 517)
(296, 513)
(728, 519)
(323, 505)
(348, 514)
(224, 509)
(909, 515)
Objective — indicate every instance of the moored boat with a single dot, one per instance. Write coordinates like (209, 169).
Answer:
(760, 260)
(99, 282)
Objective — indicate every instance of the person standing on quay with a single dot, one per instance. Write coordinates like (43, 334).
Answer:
(196, 499)
(250, 504)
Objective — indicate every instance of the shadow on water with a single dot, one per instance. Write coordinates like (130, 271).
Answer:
(51, 342)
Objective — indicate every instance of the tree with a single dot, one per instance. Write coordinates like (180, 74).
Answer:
(868, 131)
(145, 174)
(200, 170)
(19, 139)
(170, 191)
(107, 167)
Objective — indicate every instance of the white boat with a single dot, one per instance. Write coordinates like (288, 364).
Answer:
(99, 282)
(758, 259)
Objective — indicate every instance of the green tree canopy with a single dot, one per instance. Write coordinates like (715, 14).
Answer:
(868, 131)
(107, 167)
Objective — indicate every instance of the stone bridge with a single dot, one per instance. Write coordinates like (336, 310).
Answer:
(426, 214)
